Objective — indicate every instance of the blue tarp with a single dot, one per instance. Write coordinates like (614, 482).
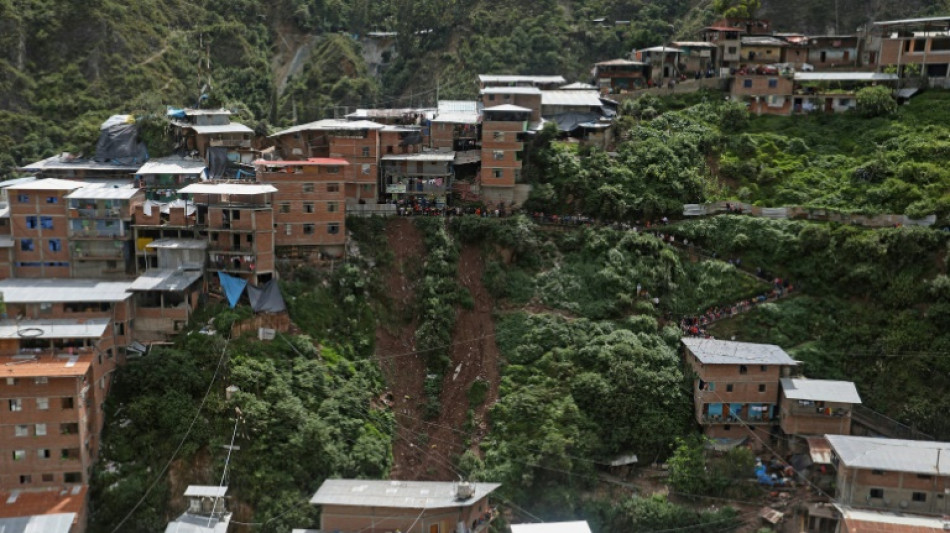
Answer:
(715, 409)
(233, 287)
(176, 113)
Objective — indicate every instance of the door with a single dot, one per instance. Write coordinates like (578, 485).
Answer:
(433, 528)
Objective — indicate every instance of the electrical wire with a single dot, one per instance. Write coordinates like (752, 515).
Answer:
(181, 444)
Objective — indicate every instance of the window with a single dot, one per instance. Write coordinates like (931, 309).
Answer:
(924, 476)
(919, 496)
(21, 430)
(491, 97)
(729, 387)
(747, 83)
(55, 245)
(46, 222)
(69, 453)
(727, 427)
(876, 493)
(498, 155)
(67, 403)
(249, 238)
(12, 381)
(43, 453)
(877, 472)
(40, 430)
(743, 369)
(496, 173)
(732, 49)
(31, 222)
(16, 405)
(235, 214)
(773, 83)
(764, 368)
(288, 229)
(72, 477)
(499, 136)
(308, 229)
(844, 102)
(19, 455)
(23, 198)
(333, 228)
(333, 187)
(333, 170)
(366, 151)
(332, 207)
(308, 207)
(69, 428)
(46, 308)
(307, 187)
(285, 207)
(52, 200)
(47, 478)
(26, 479)
(365, 168)
(42, 404)
(762, 387)
(26, 245)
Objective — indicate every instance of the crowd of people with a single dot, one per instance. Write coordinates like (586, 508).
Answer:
(695, 326)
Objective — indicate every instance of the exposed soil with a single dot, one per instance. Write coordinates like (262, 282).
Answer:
(395, 343)
(423, 449)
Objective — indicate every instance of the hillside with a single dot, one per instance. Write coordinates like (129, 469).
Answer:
(63, 70)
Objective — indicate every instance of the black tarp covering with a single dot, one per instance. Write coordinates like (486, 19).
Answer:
(266, 298)
(119, 143)
(217, 161)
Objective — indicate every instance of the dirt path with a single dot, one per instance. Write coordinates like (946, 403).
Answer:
(404, 373)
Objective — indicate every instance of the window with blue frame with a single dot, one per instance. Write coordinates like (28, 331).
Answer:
(23, 198)
(31, 222)
(55, 245)
(52, 200)
(26, 245)
(46, 222)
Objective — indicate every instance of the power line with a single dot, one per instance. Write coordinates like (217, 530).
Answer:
(181, 444)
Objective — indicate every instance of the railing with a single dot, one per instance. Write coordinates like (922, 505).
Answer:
(96, 254)
(231, 143)
(93, 234)
(885, 425)
(112, 213)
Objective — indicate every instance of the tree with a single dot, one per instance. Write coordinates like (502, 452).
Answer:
(875, 102)
(740, 9)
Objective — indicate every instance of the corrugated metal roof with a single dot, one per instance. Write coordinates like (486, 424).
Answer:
(311, 162)
(868, 521)
(571, 98)
(207, 491)
(552, 527)
(456, 117)
(103, 193)
(820, 390)
(578, 86)
(58, 162)
(819, 449)
(844, 76)
(510, 90)
(196, 112)
(48, 523)
(458, 106)
(227, 188)
(694, 44)
(173, 165)
(165, 280)
(508, 107)
(912, 21)
(619, 63)
(56, 328)
(233, 127)
(55, 290)
(195, 523)
(422, 156)
(519, 78)
(178, 244)
(396, 494)
(331, 124)
(895, 455)
(663, 49)
(717, 352)
(7, 183)
(48, 184)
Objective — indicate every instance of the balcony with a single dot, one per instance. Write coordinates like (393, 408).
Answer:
(98, 255)
(231, 143)
(111, 213)
(236, 262)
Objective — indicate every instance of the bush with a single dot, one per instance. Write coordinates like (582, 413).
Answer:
(875, 102)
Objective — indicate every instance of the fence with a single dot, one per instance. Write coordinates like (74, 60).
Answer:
(369, 210)
(884, 425)
(828, 215)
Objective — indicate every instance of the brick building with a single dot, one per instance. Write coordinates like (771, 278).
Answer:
(239, 221)
(369, 506)
(100, 231)
(817, 406)
(620, 75)
(765, 94)
(56, 375)
(309, 205)
(891, 474)
(39, 225)
(542, 81)
(358, 142)
(736, 387)
(504, 133)
(48, 511)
